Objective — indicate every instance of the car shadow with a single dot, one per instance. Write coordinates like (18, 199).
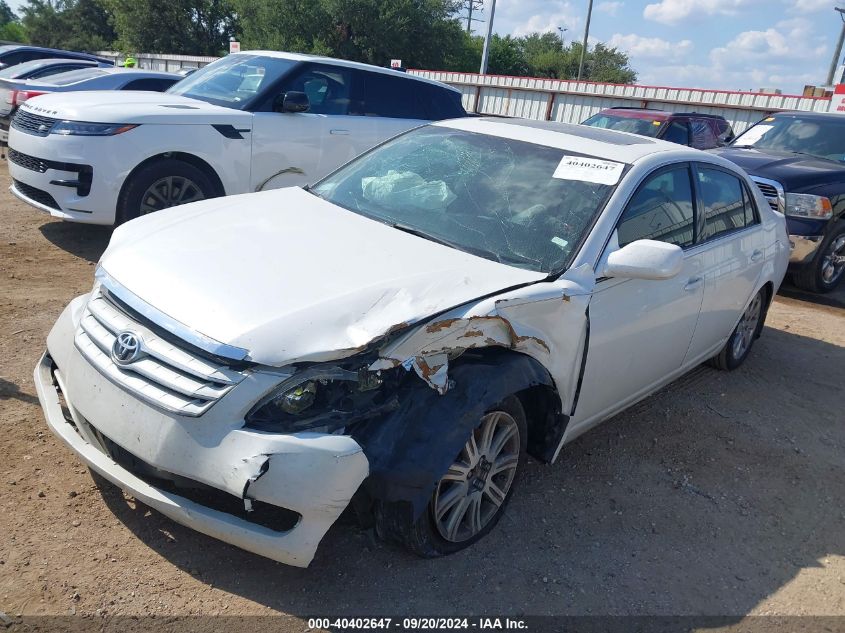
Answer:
(83, 240)
(704, 499)
(835, 299)
(10, 390)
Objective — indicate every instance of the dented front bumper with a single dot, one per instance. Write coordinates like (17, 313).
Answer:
(312, 475)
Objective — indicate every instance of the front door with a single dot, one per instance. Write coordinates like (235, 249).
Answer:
(298, 148)
(640, 330)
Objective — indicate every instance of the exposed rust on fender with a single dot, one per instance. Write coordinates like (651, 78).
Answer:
(439, 326)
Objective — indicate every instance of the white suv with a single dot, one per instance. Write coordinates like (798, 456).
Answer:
(247, 122)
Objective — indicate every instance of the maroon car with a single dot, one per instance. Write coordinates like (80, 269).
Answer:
(701, 131)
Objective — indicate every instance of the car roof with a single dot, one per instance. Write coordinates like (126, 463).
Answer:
(140, 72)
(599, 142)
(639, 113)
(21, 47)
(302, 57)
(809, 115)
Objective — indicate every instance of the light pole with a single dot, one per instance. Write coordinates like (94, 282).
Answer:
(562, 31)
(586, 35)
(485, 54)
(835, 61)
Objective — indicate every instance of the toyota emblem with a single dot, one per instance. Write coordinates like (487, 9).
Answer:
(126, 348)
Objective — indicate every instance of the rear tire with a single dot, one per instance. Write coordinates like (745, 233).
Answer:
(472, 495)
(162, 184)
(827, 269)
(741, 341)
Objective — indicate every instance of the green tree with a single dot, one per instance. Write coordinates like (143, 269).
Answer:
(6, 13)
(298, 26)
(198, 27)
(71, 24)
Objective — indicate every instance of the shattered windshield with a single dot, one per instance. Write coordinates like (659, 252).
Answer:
(822, 137)
(644, 127)
(514, 202)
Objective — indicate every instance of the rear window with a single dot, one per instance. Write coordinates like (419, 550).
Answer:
(645, 127)
(74, 76)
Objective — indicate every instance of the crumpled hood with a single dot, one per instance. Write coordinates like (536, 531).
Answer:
(128, 106)
(794, 171)
(289, 276)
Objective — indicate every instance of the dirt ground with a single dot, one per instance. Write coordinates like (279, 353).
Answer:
(722, 494)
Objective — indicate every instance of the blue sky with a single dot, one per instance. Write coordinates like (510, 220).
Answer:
(729, 44)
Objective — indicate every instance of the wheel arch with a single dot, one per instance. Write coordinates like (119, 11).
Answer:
(410, 448)
(186, 157)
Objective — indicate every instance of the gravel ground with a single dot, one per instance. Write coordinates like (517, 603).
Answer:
(722, 494)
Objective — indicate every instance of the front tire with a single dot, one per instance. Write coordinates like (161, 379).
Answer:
(827, 269)
(472, 494)
(741, 341)
(163, 184)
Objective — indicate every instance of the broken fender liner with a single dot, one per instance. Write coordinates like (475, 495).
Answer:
(410, 448)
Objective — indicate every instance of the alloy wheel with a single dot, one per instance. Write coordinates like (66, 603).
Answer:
(747, 327)
(833, 262)
(168, 192)
(476, 485)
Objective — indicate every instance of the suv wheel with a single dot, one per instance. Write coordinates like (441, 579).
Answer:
(163, 184)
(827, 269)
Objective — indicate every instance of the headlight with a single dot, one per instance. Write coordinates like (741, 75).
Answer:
(805, 205)
(325, 399)
(78, 128)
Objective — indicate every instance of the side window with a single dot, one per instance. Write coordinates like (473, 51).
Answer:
(392, 97)
(151, 83)
(13, 59)
(441, 103)
(727, 206)
(703, 136)
(328, 89)
(677, 132)
(661, 209)
(53, 70)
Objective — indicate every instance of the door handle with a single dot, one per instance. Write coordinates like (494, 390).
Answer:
(693, 283)
(337, 131)
(756, 255)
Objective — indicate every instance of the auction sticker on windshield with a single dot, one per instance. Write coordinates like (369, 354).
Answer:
(601, 172)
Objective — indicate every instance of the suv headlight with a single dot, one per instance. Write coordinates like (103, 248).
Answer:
(79, 128)
(324, 400)
(805, 205)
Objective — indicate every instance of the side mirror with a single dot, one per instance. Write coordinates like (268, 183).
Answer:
(645, 259)
(291, 101)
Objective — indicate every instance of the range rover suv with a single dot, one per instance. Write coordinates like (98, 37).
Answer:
(797, 160)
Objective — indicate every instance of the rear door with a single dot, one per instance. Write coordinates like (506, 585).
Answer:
(392, 104)
(732, 252)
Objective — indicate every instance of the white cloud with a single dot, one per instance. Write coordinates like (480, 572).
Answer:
(674, 11)
(638, 46)
(522, 17)
(808, 6)
(787, 41)
(611, 8)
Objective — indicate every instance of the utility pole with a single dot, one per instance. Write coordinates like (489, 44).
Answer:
(485, 54)
(838, 52)
(471, 6)
(586, 35)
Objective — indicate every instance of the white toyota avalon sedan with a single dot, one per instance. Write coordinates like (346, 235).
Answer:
(398, 336)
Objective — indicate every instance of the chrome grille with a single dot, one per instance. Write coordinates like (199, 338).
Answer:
(32, 123)
(772, 190)
(164, 374)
